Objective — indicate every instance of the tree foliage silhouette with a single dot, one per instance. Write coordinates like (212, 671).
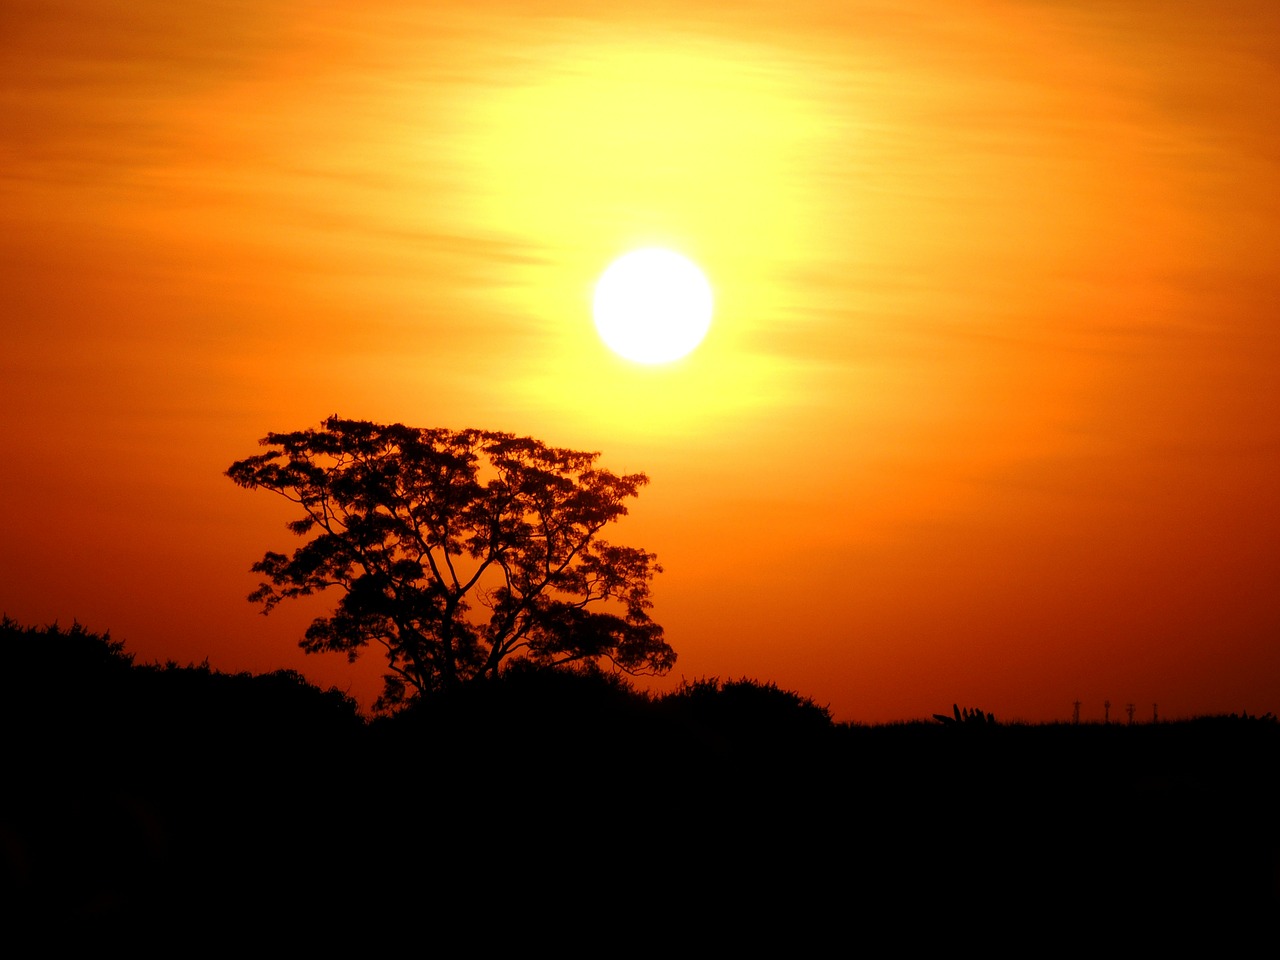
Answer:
(457, 551)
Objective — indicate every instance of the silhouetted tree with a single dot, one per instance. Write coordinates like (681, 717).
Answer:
(418, 527)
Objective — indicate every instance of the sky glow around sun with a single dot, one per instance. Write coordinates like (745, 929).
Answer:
(986, 411)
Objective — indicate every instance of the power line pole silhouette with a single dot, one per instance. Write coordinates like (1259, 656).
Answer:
(1075, 713)
(1128, 708)
(1106, 711)
(1155, 713)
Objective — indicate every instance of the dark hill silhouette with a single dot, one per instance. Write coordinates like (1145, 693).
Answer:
(554, 805)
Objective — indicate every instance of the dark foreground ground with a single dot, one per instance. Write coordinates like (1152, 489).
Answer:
(558, 812)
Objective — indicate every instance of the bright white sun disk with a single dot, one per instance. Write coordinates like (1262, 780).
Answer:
(652, 305)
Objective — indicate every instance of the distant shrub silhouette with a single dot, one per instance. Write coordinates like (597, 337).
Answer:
(966, 717)
(56, 672)
(1246, 717)
(530, 710)
(69, 654)
(77, 677)
(747, 709)
(244, 707)
(135, 782)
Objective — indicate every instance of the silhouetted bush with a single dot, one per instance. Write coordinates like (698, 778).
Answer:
(77, 681)
(528, 714)
(747, 712)
(244, 706)
(965, 717)
(49, 668)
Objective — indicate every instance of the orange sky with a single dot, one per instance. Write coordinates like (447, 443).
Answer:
(988, 412)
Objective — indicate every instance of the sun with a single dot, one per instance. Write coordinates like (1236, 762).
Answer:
(652, 305)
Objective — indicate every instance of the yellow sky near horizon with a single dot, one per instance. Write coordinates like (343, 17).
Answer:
(986, 414)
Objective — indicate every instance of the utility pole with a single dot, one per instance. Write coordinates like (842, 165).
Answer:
(1106, 708)
(1155, 713)
(1075, 714)
(1128, 708)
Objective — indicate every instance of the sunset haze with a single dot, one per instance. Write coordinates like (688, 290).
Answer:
(987, 413)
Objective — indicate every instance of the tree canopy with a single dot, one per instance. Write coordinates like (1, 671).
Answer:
(457, 551)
